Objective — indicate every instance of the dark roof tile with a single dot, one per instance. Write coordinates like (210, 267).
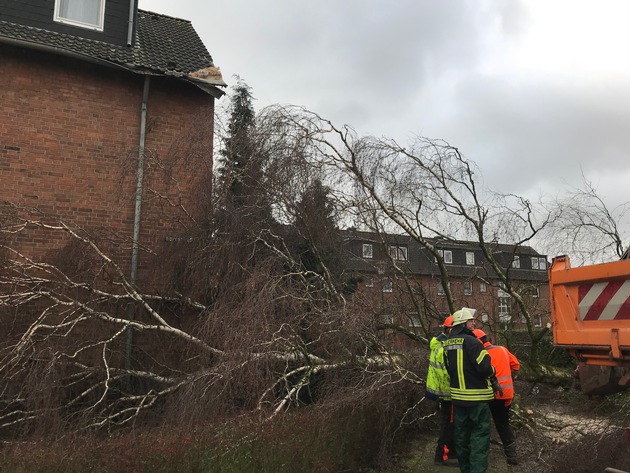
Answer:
(164, 45)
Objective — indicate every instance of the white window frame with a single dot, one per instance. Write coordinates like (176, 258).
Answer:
(367, 250)
(484, 317)
(447, 256)
(538, 321)
(398, 253)
(369, 281)
(483, 287)
(414, 320)
(387, 284)
(539, 263)
(504, 306)
(516, 262)
(470, 258)
(386, 318)
(535, 291)
(468, 288)
(97, 26)
(440, 289)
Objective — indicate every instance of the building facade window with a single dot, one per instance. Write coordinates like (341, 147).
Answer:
(83, 13)
(484, 317)
(369, 281)
(467, 288)
(447, 256)
(483, 287)
(386, 318)
(504, 302)
(367, 250)
(470, 258)
(387, 285)
(414, 320)
(539, 263)
(398, 253)
(516, 262)
(504, 306)
(538, 321)
(440, 289)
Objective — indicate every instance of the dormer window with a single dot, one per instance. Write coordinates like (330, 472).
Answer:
(83, 13)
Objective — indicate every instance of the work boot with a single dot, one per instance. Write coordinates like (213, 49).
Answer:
(510, 453)
(451, 462)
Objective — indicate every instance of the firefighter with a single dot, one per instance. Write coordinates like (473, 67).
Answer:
(504, 363)
(470, 371)
(438, 389)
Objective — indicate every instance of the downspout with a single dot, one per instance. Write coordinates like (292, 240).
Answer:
(132, 11)
(133, 278)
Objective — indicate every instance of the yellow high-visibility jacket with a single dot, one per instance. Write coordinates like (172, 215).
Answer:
(438, 381)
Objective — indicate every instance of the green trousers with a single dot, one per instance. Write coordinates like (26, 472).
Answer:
(472, 437)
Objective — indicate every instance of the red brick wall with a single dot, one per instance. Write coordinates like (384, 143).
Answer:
(69, 135)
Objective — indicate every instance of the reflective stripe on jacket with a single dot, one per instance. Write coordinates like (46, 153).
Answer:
(469, 367)
(504, 363)
(438, 381)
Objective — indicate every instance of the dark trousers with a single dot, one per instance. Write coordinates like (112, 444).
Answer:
(472, 437)
(501, 416)
(447, 430)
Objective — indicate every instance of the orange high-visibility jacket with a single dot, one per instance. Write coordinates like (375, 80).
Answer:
(504, 363)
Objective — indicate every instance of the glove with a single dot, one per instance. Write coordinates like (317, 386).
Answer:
(496, 387)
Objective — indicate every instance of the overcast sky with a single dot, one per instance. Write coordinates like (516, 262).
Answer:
(534, 91)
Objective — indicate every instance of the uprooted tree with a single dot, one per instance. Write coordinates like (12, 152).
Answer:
(430, 192)
(254, 311)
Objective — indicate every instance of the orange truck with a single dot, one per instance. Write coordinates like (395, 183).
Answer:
(590, 308)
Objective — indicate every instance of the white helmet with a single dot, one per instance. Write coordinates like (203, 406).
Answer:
(463, 315)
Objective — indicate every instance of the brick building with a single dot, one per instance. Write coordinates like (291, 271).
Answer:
(401, 282)
(106, 122)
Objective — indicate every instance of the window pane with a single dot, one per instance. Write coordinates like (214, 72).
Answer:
(482, 287)
(414, 320)
(467, 288)
(542, 263)
(534, 262)
(448, 256)
(516, 263)
(470, 258)
(88, 12)
(402, 252)
(367, 250)
(387, 285)
(399, 253)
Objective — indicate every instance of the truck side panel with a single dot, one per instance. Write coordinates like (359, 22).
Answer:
(590, 306)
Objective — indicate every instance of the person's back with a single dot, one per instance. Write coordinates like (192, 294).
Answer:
(469, 367)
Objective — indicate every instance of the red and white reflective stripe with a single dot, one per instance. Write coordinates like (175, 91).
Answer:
(604, 301)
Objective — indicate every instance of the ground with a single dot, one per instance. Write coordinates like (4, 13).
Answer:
(559, 429)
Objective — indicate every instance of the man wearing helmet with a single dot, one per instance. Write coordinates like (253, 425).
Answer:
(438, 389)
(470, 369)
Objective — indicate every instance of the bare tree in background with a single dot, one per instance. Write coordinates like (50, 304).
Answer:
(587, 229)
